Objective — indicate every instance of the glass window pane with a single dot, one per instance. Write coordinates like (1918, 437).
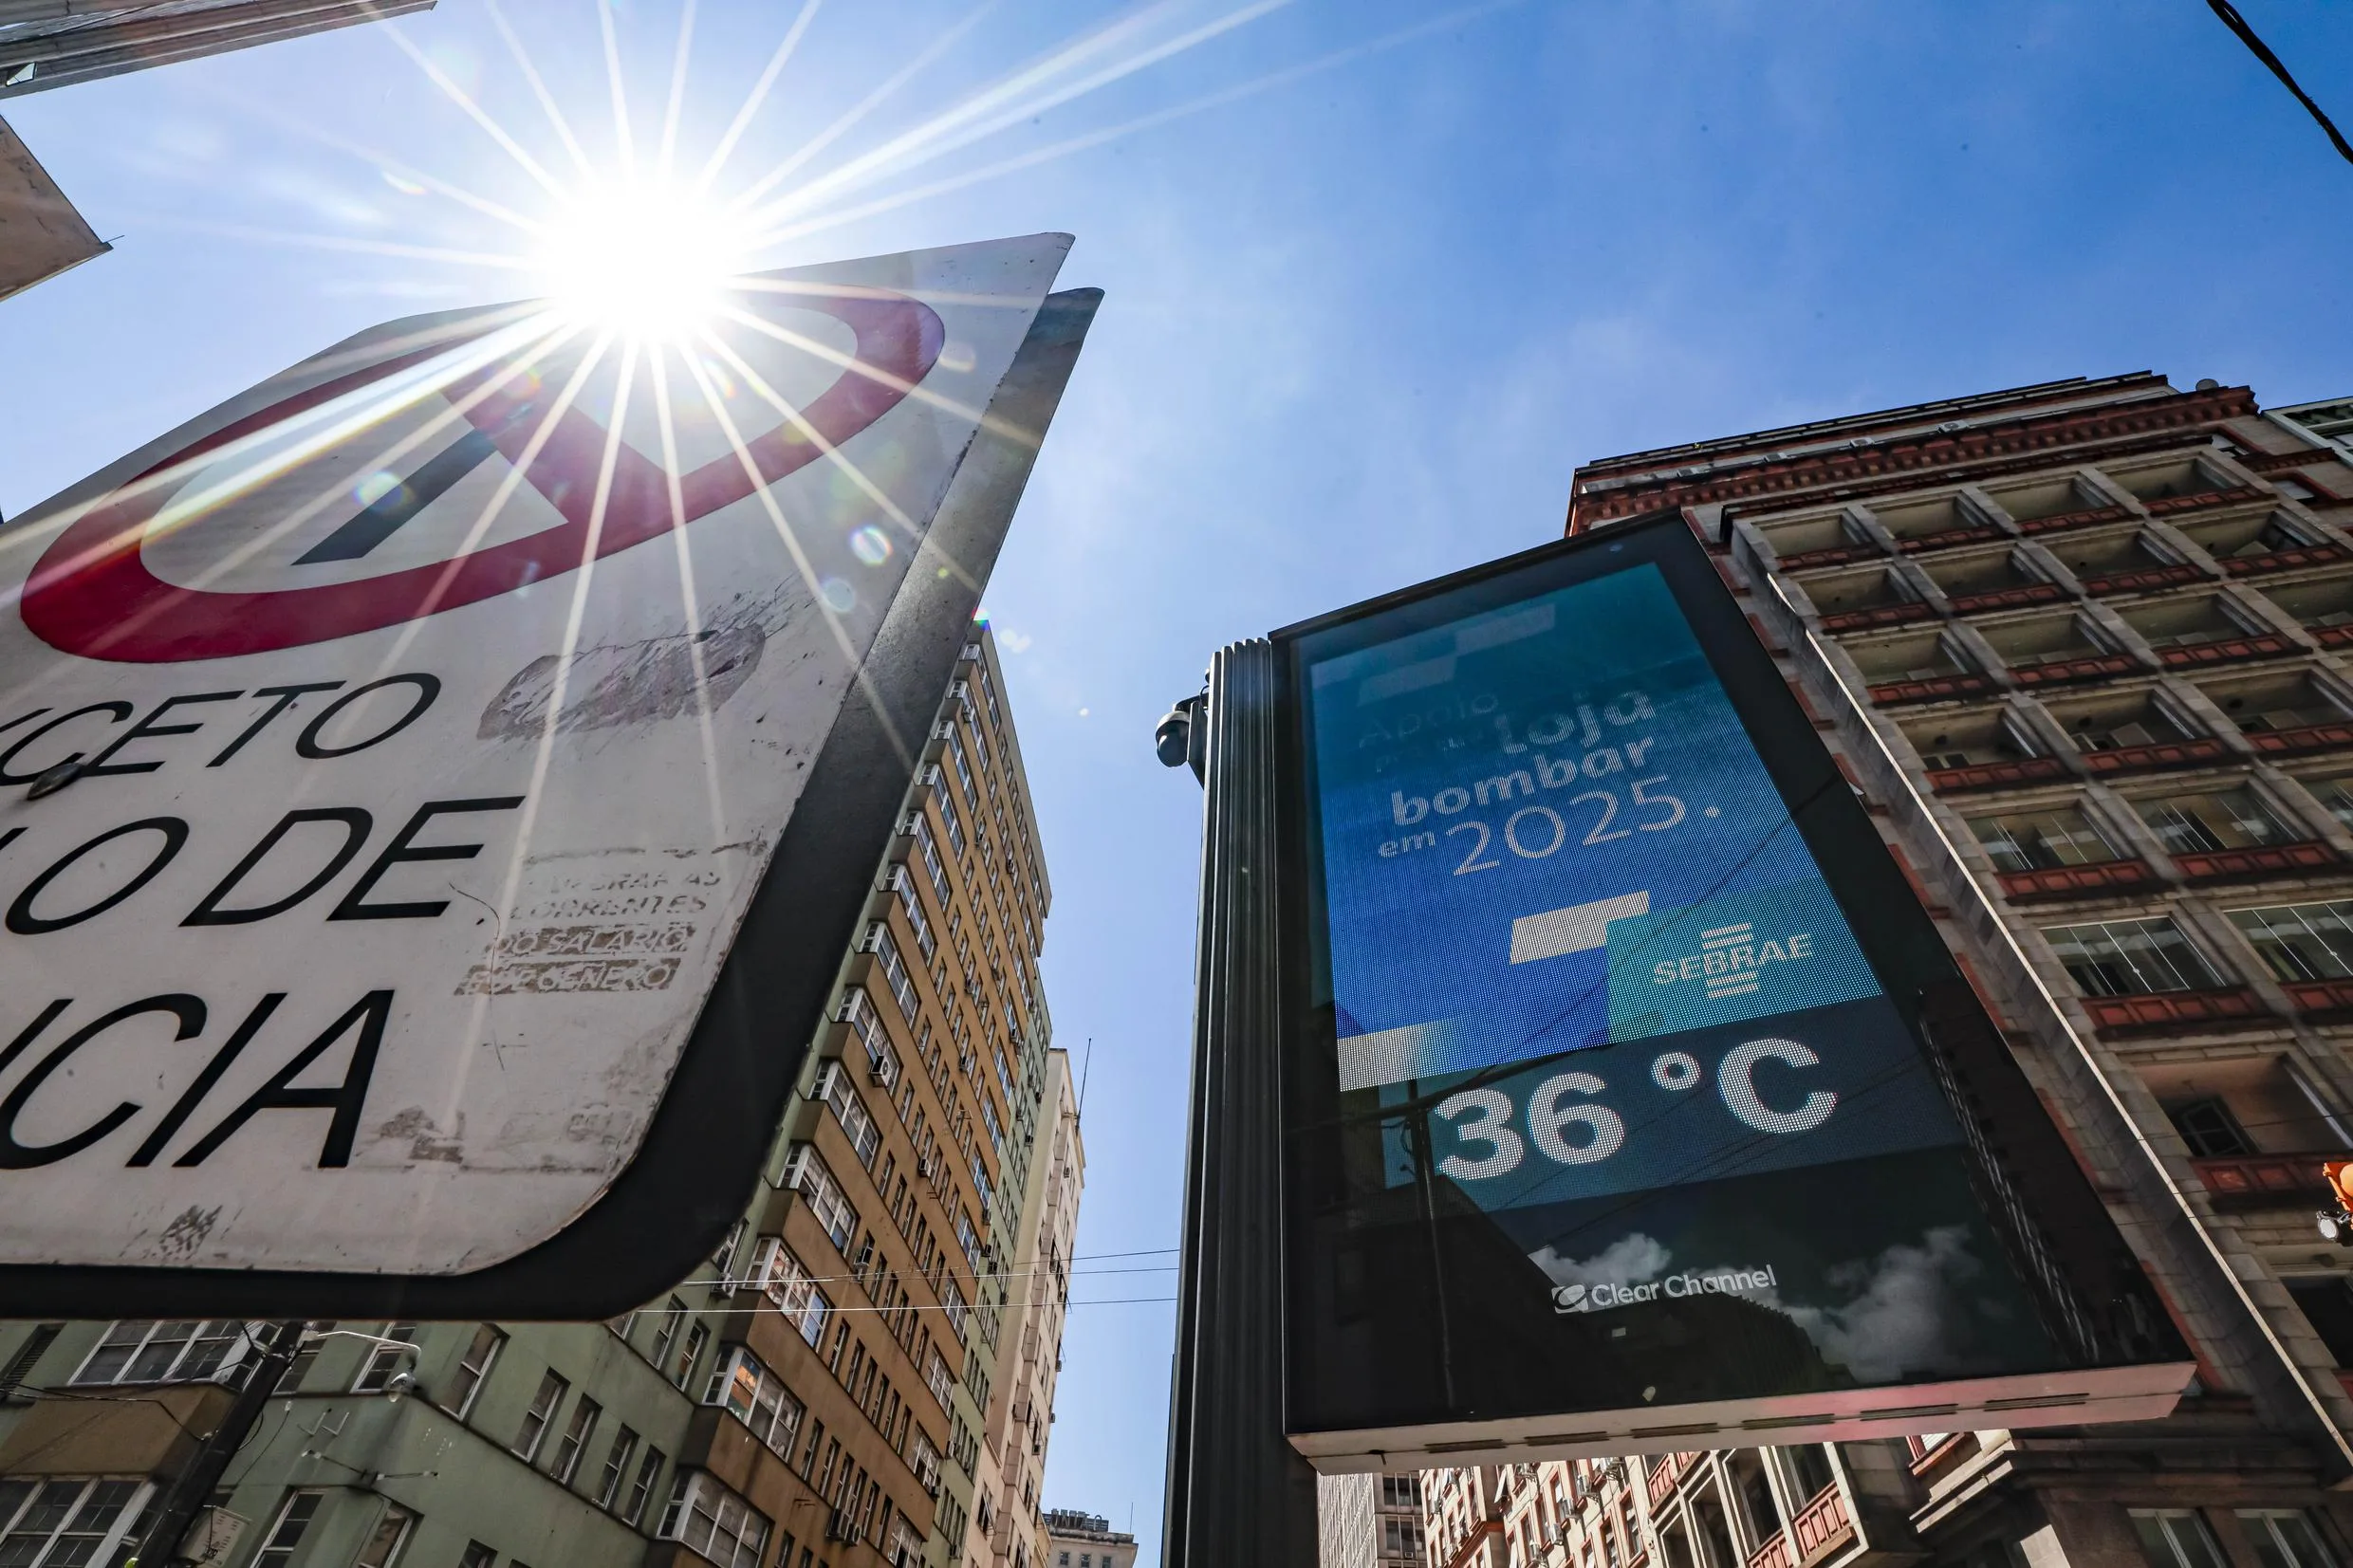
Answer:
(2302, 941)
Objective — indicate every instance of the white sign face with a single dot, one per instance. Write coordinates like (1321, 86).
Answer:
(388, 758)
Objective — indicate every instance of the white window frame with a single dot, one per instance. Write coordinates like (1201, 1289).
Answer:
(481, 1375)
(383, 1361)
(704, 1513)
(404, 1525)
(285, 1550)
(203, 1333)
(537, 1420)
(126, 1511)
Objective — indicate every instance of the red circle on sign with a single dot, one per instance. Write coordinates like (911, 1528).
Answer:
(92, 595)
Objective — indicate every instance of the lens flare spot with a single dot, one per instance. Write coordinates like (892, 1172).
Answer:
(838, 595)
(870, 545)
(375, 487)
(401, 183)
(956, 357)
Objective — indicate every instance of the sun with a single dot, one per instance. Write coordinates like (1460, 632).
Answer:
(646, 258)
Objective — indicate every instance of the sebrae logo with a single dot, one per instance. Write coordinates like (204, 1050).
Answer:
(1731, 960)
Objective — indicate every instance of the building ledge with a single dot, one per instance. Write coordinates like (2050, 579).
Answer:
(2322, 1001)
(2228, 651)
(2174, 506)
(2285, 560)
(2094, 880)
(1883, 614)
(1949, 781)
(2008, 599)
(2161, 754)
(2257, 861)
(2256, 1180)
(1946, 538)
(2091, 517)
(2142, 580)
(2230, 1006)
(2059, 670)
(1934, 689)
(1837, 555)
(2310, 737)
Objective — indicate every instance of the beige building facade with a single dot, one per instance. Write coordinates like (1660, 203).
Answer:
(2082, 649)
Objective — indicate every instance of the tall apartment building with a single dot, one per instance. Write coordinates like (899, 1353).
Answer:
(1007, 1520)
(54, 46)
(814, 1395)
(2082, 649)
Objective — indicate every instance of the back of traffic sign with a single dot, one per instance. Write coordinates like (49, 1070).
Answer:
(440, 784)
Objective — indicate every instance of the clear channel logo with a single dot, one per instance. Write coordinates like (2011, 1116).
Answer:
(1607, 1294)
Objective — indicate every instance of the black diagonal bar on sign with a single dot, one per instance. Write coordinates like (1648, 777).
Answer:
(397, 505)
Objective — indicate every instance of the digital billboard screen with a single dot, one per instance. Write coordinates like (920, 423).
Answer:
(1609, 1095)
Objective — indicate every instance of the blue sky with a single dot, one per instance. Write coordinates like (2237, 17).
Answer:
(1363, 319)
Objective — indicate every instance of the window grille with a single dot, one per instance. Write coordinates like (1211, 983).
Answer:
(2131, 957)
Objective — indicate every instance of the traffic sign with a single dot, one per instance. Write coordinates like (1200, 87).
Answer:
(438, 787)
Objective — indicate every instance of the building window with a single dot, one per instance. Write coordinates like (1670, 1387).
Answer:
(858, 1013)
(2302, 941)
(385, 1542)
(708, 1518)
(2041, 840)
(642, 1489)
(54, 1524)
(2284, 1538)
(894, 970)
(795, 1292)
(757, 1397)
(477, 1556)
(903, 885)
(724, 1260)
(667, 1331)
(2326, 1302)
(2130, 957)
(542, 1412)
(688, 1353)
(384, 1360)
(617, 1459)
(2210, 1128)
(833, 1087)
(144, 1351)
(577, 1435)
(2175, 1538)
(806, 1173)
(2206, 825)
(473, 1368)
(286, 1531)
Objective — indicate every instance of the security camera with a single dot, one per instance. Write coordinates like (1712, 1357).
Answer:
(1183, 737)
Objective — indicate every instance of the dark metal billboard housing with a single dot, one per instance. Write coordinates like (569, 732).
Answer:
(1629, 1100)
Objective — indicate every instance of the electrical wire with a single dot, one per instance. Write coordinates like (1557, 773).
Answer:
(2238, 25)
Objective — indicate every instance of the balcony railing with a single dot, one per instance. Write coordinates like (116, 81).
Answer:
(1882, 614)
(1774, 1553)
(2086, 518)
(2228, 651)
(1822, 1526)
(2256, 860)
(2225, 1007)
(2094, 881)
(2284, 560)
(2141, 579)
(2156, 754)
(2023, 770)
(1931, 689)
(2058, 670)
(2006, 598)
(1671, 1468)
(2173, 505)
(2310, 737)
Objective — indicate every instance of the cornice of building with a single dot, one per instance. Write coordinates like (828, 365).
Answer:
(1943, 456)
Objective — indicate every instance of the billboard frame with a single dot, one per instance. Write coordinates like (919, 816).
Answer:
(2091, 1292)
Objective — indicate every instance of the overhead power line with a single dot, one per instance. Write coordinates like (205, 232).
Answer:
(2237, 23)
